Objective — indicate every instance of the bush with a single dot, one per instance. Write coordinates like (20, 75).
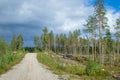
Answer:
(74, 69)
(58, 65)
(8, 60)
(95, 69)
(47, 60)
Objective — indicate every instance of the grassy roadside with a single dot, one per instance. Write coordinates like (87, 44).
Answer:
(72, 71)
(59, 66)
(10, 59)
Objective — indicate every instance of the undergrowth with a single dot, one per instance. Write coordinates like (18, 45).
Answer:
(10, 59)
(59, 66)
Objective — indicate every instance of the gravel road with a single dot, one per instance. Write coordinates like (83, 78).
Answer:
(29, 69)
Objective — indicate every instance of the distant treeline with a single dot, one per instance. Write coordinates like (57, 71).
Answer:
(29, 49)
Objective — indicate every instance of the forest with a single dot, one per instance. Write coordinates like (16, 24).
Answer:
(95, 40)
(95, 43)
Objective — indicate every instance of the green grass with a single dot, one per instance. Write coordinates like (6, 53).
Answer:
(58, 65)
(89, 71)
(10, 59)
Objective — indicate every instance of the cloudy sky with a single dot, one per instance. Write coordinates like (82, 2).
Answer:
(29, 17)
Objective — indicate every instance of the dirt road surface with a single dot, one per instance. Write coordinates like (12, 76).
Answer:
(29, 69)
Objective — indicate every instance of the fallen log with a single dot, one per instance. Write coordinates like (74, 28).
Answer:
(116, 76)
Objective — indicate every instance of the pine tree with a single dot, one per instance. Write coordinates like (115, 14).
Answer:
(37, 42)
(90, 28)
(20, 42)
(117, 34)
(57, 42)
(14, 43)
(45, 38)
(70, 42)
(102, 22)
(51, 40)
(3, 47)
(108, 47)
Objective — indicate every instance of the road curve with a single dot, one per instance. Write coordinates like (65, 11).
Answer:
(29, 69)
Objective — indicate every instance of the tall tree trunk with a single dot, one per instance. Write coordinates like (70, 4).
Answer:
(49, 44)
(100, 45)
(118, 45)
(117, 51)
(81, 46)
(103, 51)
(75, 51)
(93, 50)
(114, 51)
(94, 47)
(88, 45)
(106, 48)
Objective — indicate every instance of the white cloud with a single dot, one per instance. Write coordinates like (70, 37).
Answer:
(73, 17)
(112, 15)
(61, 14)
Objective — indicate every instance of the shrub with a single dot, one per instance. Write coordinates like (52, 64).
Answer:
(75, 69)
(58, 65)
(95, 69)
(8, 60)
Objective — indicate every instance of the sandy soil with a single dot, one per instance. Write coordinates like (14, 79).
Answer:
(29, 69)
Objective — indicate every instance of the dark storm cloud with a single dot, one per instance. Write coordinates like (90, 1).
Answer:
(29, 17)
